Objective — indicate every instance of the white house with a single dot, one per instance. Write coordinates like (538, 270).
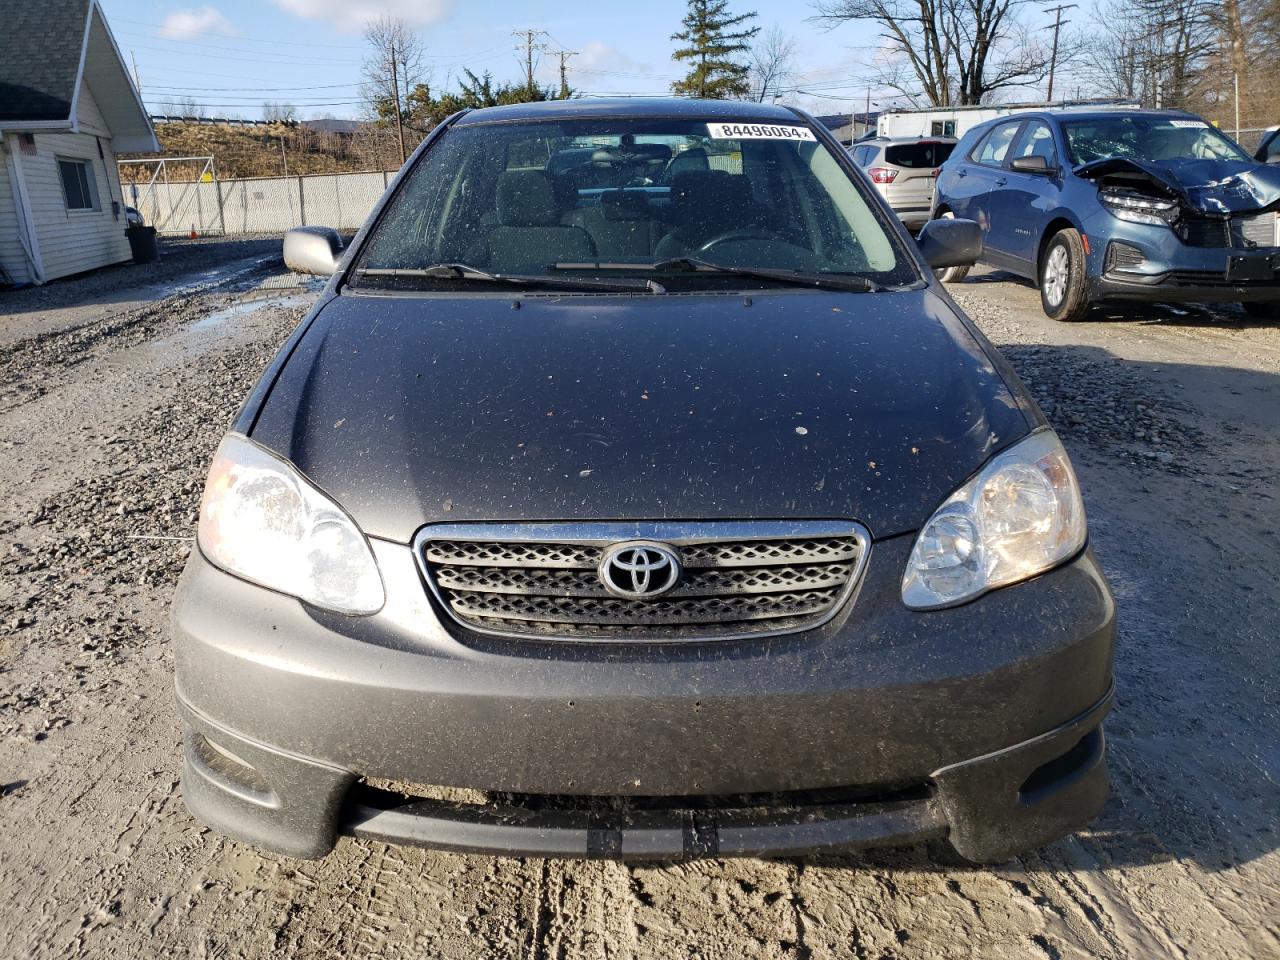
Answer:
(67, 105)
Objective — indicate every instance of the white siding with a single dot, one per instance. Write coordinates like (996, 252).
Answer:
(12, 258)
(75, 240)
(89, 115)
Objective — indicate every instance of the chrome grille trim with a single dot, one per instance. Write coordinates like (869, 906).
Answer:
(742, 578)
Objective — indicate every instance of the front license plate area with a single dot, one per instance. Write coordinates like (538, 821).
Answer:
(1241, 269)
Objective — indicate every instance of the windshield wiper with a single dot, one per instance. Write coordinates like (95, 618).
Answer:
(832, 281)
(464, 271)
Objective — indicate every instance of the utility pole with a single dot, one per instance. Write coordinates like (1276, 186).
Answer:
(531, 45)
(137, 82)
(1058, 24)
(395, 83)
(1237, 84)
(564, 56)
(866, 114)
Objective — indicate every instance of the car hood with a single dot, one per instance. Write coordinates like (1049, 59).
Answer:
(1222, 187)
(413, 409)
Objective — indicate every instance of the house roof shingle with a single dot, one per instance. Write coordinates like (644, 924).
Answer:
(40, 49)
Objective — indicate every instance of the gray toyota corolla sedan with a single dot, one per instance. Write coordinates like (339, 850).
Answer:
(634, 490)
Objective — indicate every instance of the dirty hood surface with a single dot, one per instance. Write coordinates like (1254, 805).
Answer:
(413, 409)
(1221, 187)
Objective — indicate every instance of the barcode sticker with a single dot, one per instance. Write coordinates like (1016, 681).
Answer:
(758, 131)
(1188, 123)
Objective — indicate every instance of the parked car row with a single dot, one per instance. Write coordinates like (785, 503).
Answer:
(1099, 205)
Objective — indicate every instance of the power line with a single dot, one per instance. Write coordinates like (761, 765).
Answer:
(223, 56)
(202, 89)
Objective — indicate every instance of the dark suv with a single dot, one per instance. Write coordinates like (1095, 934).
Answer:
(634, 490)
(1119, 204)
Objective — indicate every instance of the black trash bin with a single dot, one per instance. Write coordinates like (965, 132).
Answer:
(143, 243)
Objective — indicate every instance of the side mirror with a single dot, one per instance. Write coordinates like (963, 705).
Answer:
(312, 250)
(1032, 164)
(950, 243)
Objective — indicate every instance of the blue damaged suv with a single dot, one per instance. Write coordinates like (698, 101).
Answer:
(1118, 204)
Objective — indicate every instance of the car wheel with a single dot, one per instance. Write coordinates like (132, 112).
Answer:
(1262, 309)
(1063, 292)
(950, 274)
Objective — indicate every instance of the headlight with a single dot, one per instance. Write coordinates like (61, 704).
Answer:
(1020, 516)
(1138, 209)
(261, 520)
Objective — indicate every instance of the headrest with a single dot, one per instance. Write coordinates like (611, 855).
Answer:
(693, 159)
(624, 205)
(633, 153)
(525, 199)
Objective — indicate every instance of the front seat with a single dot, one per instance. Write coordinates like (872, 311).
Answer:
(529, 235)
(704, 205)
(622, 226)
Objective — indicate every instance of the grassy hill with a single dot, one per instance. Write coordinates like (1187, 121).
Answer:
(255, 151)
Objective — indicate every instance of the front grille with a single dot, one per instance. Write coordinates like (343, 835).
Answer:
(739, 578)
(1258, 230)
(1205, 232)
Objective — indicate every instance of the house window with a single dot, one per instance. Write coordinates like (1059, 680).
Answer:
(78, 186)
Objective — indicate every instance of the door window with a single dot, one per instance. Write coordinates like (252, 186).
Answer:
(992, 149)
(1037, 141)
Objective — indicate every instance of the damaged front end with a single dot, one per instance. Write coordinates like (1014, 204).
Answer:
(1207, 203)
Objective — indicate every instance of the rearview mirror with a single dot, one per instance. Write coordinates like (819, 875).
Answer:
(950, 243)
(312, 250)
(1032, 164)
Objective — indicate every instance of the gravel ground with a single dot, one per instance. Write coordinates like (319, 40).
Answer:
(107, 425)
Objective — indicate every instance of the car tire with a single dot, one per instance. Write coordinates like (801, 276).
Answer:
(1262, 309)
(950, 274)
(1064, 293)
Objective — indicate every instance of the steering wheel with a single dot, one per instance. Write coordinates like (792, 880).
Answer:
(750, 233)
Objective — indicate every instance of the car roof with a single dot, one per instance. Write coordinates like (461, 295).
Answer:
(895, 141)
(639, 107)
(1084, 113)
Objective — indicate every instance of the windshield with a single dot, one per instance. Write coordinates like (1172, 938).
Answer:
(1155, 139)
(602, 198)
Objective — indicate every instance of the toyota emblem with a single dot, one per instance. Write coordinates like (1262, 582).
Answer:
(639, 571)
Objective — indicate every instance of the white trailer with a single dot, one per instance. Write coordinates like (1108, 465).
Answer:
(956, 121)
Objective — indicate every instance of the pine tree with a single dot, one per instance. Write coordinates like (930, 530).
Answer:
(711, 44)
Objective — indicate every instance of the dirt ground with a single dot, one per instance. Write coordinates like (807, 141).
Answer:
(108, 418)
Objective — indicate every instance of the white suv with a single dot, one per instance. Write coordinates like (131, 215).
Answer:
(904, 171)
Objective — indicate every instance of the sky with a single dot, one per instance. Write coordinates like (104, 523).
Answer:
(231, 55)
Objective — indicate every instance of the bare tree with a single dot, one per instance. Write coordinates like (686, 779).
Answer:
(279, 112)
(1155, 51)
(773, 64)
(958, 51)
(392, 68)
(183, 107)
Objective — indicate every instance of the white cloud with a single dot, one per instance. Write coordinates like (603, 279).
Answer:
(600, 56)
(189, 24)
(352, 15)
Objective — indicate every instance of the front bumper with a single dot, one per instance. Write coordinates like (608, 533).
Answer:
(980, 723)
(1140, 262)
